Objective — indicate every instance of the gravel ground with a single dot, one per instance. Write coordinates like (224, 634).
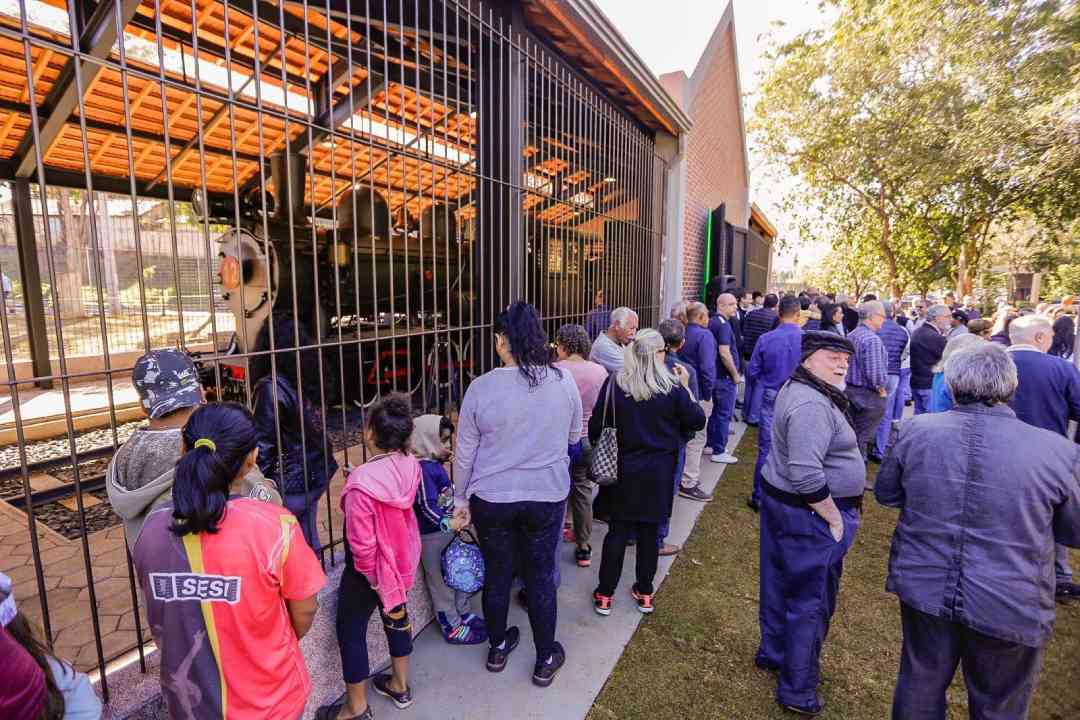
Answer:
(66, 522)
(59, 448)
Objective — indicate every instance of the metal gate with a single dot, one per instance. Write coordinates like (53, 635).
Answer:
(386, 175)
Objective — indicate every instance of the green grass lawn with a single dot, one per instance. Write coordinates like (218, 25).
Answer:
(693, 658)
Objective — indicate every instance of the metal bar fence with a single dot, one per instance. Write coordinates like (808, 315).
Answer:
(339, 259)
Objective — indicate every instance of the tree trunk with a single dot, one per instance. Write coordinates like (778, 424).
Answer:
(71, 305)
(887, 251)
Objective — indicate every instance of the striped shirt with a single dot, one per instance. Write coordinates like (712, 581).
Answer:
(869, 366)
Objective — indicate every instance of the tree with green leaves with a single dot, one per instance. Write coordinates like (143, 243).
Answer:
(933, 117)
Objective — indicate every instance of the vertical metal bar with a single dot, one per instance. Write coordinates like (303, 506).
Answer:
(317, 320)
(234, 166)
(95, 244)
(64, 375)
(171, 206)
(422, 339)
(140, 266)
(473, 195)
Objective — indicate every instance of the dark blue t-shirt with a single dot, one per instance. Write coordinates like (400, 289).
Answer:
(725, 335)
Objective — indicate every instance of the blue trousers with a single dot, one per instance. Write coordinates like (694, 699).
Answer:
(306, 510)
(525, 533)
(894, 410)
(1000, 675)
(753, 392)
(922, 400)
(801, 566)
(665, 526)
(905, 385)
(768, 404)
(716, 432)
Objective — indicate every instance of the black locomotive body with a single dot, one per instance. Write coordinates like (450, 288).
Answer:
(378, 294)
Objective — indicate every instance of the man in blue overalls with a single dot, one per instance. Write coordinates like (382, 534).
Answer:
(775, 357)
(813, 486)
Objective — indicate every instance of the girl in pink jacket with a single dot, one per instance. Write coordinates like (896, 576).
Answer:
(382, 550)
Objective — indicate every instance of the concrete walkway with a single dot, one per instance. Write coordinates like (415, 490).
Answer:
(451, 682)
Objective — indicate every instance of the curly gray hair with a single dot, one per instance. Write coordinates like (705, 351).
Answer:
(574, 340)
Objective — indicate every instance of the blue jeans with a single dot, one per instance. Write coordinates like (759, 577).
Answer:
(306, 510)
(922, 400)
(665, 526)
(1062, 572)
(768, 405)
(752, 395)
(894, 410)
(801, 565)
(724, 393)
(905, 386)
(1000, 675)
(524, 533)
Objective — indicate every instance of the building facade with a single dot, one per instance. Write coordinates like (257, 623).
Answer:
(719, 231)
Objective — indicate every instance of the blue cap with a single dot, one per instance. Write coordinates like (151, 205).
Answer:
(166, 380)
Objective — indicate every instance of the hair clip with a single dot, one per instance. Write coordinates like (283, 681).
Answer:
(206, 443)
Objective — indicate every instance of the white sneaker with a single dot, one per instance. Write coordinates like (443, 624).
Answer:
(707, 450)
(726, 458)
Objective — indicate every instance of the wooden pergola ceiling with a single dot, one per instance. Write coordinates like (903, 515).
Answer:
(152, 123)
(223, 145)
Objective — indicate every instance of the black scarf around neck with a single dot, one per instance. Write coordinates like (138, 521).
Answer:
(835, 395)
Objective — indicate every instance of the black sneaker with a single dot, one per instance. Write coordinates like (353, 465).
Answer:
(381, 683)
(1067, 592)
(496, 661)
(808, 710)
(331, 712)
(544, 673)
(583, 556)
(695, 493)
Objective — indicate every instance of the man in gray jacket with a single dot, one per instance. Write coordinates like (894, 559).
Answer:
(140, 476)
(972, 557)
(814, 479)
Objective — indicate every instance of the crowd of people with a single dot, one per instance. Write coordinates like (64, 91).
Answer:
(219, 502)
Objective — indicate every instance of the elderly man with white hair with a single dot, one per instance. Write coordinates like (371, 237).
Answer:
(609, 347)
(973, 550)
(868, 373)
(927, 346)
(1048, 398)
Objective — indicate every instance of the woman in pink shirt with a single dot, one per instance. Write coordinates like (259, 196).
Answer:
(572, 345)
(382, 550)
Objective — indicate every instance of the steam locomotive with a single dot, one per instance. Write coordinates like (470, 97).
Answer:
(367, 291)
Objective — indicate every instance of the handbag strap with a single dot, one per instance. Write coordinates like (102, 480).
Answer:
(609, 400)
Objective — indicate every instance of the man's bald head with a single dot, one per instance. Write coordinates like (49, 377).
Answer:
(1033, 330)
(727, 305)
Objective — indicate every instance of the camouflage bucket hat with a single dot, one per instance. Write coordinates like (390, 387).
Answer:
(166, 380)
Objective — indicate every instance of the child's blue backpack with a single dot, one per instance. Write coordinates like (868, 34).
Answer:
(463, 563)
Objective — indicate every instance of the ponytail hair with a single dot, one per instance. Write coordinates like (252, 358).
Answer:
(217, 439)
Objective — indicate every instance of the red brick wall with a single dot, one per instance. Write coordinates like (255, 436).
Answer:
(716, 169)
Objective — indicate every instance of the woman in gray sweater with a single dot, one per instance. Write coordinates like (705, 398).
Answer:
(513, 477)
(814, 483)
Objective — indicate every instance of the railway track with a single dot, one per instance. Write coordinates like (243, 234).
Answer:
(11, 489)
